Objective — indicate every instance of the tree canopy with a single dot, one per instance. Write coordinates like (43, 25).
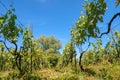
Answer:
(49, 44)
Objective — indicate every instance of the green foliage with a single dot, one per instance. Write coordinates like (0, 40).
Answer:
(86, 26)
(49, 44)
(68, 54)
(9, 29)
(100, 54)
(117, 2)
(116, 42)
(47, 50)
(117, 35)
(28, 41)
(2, 47)
(89, 57)
(53, 59)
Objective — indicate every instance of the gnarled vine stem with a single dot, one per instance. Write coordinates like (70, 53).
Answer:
(109, 25)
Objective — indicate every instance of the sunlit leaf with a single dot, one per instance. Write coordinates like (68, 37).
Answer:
(117, 2)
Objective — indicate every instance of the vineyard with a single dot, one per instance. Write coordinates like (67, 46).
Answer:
(82, 57)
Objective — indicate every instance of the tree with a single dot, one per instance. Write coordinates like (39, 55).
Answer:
(86, 27)
(49, 44)
(10, 32)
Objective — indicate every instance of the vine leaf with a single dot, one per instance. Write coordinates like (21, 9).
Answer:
(117, 2)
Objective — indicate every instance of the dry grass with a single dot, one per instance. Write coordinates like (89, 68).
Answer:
(93, 72)
(48, 73)
(4, 74)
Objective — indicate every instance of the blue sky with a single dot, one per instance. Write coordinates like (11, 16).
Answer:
(55, 17)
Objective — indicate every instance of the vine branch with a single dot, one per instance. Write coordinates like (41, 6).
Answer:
(5, 45)
(109, 24)
(80, 64)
